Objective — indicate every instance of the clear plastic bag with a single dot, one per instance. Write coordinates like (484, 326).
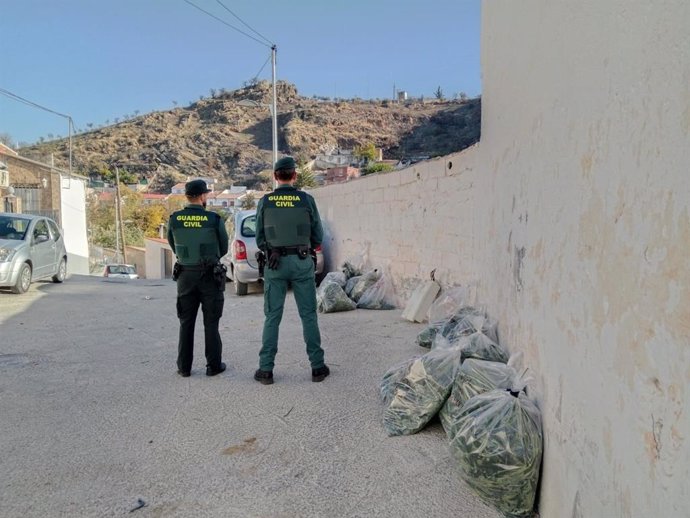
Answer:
(393, 376)
(469, 320)
(481, 347)
(365, 282)
(381, 295)
(498, 446)
(331, 298)
(418, 395)
(337, 277)
(351, 283)
(475, 377)
(357, 264)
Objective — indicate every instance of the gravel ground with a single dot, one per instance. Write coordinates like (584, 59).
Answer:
(94, 416)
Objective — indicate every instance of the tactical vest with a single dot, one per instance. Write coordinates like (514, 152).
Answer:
(286, 218)
(195, 233)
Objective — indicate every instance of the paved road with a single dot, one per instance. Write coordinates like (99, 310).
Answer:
(93, 415)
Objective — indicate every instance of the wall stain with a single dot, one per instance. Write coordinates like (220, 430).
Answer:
(518, 266)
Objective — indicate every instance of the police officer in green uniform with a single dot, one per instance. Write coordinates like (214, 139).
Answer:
(199, 240)
(287, 228)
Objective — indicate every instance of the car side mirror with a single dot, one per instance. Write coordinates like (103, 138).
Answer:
(41, 238)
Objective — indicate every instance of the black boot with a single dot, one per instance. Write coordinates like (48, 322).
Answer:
(212, 372)
(320, 374)
(264, 377)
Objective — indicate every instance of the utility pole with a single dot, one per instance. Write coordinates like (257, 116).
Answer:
(118, 215)
(274, 111)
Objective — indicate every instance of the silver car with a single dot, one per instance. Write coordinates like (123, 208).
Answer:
(240, 260)
(31, 248)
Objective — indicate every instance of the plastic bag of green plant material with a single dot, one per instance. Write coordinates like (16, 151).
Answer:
(393, 376)
(331, 298)
(365, 282)
(441, 312)
(356, 265)
(481, 347)
(380, 295)
(419, 394)
(469, 320)
(351, 283)
(337, 277)
(475, 377)
(498, 447)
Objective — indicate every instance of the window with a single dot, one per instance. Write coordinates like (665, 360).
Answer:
(54, 230)
(249, 226)
(41, 229)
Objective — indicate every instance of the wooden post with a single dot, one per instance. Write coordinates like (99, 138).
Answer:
(118, 208)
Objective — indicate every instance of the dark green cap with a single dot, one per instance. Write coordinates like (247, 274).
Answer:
(195, 188)
(287, 162)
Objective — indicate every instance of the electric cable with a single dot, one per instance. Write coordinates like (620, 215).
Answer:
(244, 23)
(226, 23)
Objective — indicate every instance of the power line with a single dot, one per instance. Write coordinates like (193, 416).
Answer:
(244, 23)
(263, 66)
(226, 23)
(9, 94)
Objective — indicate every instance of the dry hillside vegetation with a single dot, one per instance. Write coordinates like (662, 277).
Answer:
(220, 138)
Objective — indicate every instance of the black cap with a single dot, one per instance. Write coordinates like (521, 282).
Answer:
(195, 188)
(287, 162)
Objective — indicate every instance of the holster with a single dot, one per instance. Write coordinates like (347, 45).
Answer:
(261, 259)
(219, 275)
(177, 269)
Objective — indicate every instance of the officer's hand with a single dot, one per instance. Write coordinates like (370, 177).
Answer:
(274, 260)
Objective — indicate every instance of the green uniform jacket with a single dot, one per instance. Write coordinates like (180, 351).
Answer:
(197, 235)
(316, 237)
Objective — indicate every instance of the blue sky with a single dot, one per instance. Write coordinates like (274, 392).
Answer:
(100, 59)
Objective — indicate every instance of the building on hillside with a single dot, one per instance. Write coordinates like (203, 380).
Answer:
(153, 199)
(341, 174)
(226, 199)
(32, 187)
(178, 188)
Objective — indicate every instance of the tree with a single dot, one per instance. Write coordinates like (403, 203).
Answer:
(89, 125)
(463, 96)
(136, 112)
(305, 178)
(438, 94)
(248, 201)
(366, 152)
(6, 138)
(174, 103)
(212, 91)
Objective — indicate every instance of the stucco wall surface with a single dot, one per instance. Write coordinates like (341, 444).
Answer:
(73, 211)
(571, 218)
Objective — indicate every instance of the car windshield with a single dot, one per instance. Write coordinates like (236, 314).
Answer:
(249, 226)
(12, 227)
(120, 268)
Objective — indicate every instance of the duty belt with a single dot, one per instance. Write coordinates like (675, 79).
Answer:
(196, 267)
(302, 251)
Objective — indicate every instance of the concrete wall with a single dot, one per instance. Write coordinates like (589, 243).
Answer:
(571, 218)
(159, 259)
(73, 211)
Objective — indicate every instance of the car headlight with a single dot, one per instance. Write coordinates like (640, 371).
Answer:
(6, 254)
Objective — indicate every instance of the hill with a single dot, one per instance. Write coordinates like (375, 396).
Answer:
(219, 137)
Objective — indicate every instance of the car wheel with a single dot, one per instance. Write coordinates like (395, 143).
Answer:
(61, 272)
(240, 287)
(23, 279)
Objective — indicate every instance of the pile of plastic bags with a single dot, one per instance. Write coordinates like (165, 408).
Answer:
(469, 381)
(356, 286)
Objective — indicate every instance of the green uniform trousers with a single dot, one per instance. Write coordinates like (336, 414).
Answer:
(196, 288)
(300, 274)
